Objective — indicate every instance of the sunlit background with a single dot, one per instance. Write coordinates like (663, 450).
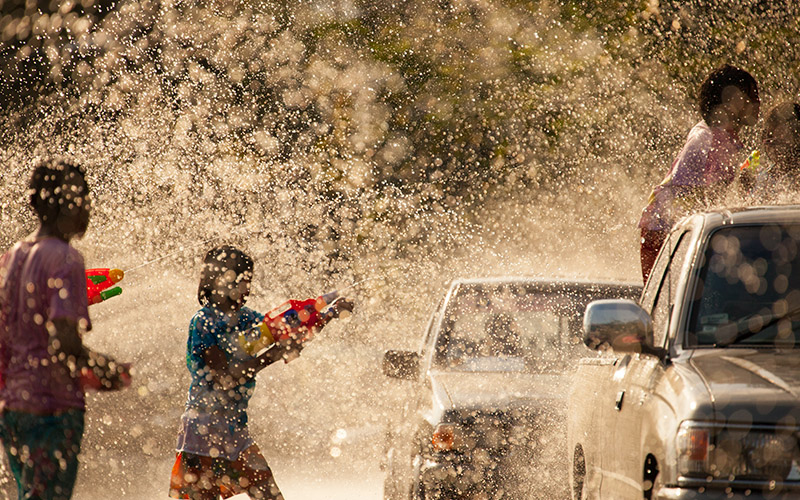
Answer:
(404, 142)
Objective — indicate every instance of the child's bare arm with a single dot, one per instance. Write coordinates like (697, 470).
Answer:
(66, 346)
(65, 341)
(337, 308)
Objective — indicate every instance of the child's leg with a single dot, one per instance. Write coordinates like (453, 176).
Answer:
(651, 243)
(193, 478)
(43, 452)
(252, 475)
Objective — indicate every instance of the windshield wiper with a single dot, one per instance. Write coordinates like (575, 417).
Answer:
(744, 331)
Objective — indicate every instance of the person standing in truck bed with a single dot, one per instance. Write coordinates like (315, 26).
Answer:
(778, 176)
(707, 163)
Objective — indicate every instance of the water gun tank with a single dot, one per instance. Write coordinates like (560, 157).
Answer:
(298, 319)
(99, 283)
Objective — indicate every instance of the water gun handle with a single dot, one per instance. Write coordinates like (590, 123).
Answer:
(111, 377)
(100, 284)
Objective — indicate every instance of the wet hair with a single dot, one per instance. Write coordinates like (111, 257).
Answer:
(217, 262)
(780, 136)
(46, 188)
(713, 87)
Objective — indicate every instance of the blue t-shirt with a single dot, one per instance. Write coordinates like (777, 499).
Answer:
(215, 419)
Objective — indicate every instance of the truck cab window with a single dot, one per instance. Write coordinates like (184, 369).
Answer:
(431, 328)
(653, 284)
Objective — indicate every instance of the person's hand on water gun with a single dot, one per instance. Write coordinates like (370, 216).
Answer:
(342, 307)
(293, 344)
(102, 373)
(290, 347)
(294, 322)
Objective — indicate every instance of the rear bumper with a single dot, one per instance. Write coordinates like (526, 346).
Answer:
(458, 475)
(779, 492)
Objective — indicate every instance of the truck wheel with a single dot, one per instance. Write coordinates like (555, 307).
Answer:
(656, 485)
(578, 473)
(652, 480)
(417, 487)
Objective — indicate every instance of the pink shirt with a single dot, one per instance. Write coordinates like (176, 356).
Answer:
(40, 280)
(707, 158)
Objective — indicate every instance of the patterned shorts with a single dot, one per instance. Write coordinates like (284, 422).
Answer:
(199, 477)
(42, 451)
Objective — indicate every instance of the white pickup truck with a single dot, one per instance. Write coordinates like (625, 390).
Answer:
(697, 391)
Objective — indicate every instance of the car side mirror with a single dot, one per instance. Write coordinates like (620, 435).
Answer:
(621, 325)
(401, 364)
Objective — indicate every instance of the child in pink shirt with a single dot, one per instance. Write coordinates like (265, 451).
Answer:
(43, 311)
(707, 163)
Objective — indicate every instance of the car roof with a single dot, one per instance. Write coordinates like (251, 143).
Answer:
(752, 215)
(573, 283)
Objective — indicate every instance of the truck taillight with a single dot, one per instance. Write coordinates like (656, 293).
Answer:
(443, 437)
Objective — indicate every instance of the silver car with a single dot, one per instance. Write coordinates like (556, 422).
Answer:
(489, 391)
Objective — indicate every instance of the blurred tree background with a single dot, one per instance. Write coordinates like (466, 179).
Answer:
(353, 128)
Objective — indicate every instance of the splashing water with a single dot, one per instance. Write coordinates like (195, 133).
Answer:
(392, 144)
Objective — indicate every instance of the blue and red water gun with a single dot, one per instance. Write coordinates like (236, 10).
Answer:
(296, 320)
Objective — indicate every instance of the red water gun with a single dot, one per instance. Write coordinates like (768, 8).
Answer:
(99, 283)
(294, 319)
(103, 373)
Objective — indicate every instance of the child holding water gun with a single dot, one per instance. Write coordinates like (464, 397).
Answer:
(215, 453)
(43, 313)
(777, 178)
(707, 163)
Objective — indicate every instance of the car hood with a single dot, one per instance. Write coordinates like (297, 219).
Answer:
(497, 390)
(761, 385)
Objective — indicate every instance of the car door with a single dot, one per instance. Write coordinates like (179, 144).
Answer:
(401, 450)
(586, 422)
(637, 375)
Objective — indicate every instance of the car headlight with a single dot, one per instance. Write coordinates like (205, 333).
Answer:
(444, 437)
(726, 451)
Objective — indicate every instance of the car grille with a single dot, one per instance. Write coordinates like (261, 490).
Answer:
(494, 431)
(756, 455)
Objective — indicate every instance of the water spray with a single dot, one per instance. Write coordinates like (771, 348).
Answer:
(293, 321)
(297, 320)
(100, 281)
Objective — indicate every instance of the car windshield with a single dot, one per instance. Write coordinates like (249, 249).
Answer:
(509, 327)
(749, 289)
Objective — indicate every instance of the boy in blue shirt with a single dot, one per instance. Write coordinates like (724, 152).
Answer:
(215, 453)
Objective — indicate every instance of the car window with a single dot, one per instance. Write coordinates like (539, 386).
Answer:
(508, 327)
(432, 321)
(656, 277)
(748, 288)
(665, 296)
